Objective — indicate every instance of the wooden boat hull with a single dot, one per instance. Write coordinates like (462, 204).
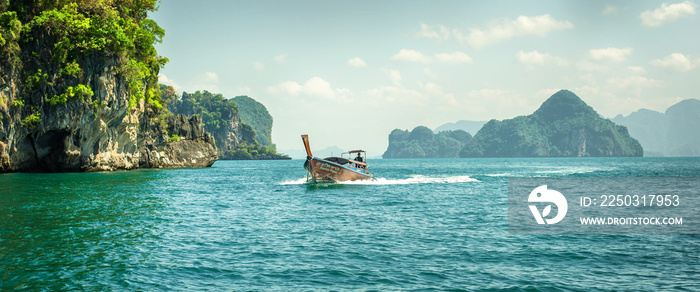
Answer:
(321, 170)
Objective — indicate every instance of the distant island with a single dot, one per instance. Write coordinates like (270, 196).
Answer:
(470, 127)
(421, 142)
(563, 126)
(224, 119)
(673, 133)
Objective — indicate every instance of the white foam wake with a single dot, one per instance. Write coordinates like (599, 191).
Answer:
(300, 181)
(557, 171)
(414, 179)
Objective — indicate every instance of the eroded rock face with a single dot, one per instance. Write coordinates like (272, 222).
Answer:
(99, 133)
(187, 145)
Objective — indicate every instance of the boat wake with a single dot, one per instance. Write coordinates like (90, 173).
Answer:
(414, 179)
(551, 171)
(300, 181)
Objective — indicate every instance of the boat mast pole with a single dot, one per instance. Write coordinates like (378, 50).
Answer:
(305, 139)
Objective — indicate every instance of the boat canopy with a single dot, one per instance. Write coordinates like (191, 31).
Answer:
(356, 151)
(338, 160)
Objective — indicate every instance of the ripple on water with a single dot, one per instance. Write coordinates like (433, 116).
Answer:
(258, 226)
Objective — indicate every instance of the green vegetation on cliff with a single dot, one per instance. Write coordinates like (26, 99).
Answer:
(564, 126)
(51, 44)
(79, 90)
(255, 114)
(423, 143)
(215, 110)
(234, 139)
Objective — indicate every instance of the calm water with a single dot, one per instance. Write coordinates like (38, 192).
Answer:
(254, 226)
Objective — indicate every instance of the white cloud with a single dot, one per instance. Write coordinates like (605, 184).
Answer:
(453, 58)
(610, 10)
(488, 93)
(410, 56)
(209, 77)
(281, 58)
(500, 103)
(167, 81)
(204, 81)
(588, 78)
(399, 96)
(406, 55)
(257, 65)
(676, 62)
(537, 58)
(667, 13)
(342, 91)
(496, 30)
(439, 32)
(450, 99)
(287, 87)
(532, 58)
(611, 54)
(315, 86)
(243, 90)
(635, 82)
(432, 88)
(436, 91)
(540, 25)
(396, 95)
(394, 76)
(357, 62)
(637, 69)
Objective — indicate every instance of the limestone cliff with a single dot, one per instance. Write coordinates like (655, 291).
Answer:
(235, 139)
(78, 91)
(80, 136)
(421, 142)
(256, 115)
(183, 143)
(220, 117)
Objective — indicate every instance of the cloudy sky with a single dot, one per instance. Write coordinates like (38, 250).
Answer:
(349, 72)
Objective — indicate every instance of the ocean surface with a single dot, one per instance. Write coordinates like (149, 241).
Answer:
(424, 225)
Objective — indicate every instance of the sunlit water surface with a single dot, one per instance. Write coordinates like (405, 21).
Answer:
(435, 224)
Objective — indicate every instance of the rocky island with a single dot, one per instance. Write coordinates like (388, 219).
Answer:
(234, 123)
(79, 91)
(421, 142)
(563, 126)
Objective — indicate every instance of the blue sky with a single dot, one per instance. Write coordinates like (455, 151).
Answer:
(349, 72)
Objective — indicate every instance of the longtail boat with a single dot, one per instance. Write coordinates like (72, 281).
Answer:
(336, 169)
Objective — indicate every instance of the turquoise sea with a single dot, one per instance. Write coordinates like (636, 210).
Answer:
(424, 225)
